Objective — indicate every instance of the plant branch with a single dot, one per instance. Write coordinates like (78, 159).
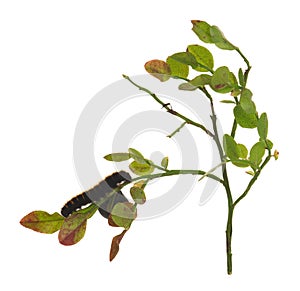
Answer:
(252, 181)
(173, 173)
(169, 108)
(225, 184)
(177, 130)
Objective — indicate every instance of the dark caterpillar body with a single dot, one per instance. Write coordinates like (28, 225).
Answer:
(97, 192)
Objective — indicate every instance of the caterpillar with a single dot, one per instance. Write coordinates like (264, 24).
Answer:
(97, 192)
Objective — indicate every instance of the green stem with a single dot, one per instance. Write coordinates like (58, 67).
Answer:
(169, 108)
(225, 183)
(229, 239)
(177, 130)
(173, 173)
(252, 181)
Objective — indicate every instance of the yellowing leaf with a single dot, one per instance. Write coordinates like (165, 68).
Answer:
(138, 195)
(141, 169)
(42, 221)
(203, 57)
(178, 69)
(158, 69)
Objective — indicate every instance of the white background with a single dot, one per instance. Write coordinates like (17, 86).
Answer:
(54, 56)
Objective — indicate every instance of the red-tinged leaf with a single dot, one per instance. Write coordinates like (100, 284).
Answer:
(158, 69)
(111, 222)
(42, 221)
(73, 229)
(115, 245)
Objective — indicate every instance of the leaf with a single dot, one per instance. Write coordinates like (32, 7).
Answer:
(220, 81)
(178, 69)
(235, 92)
(73, 229)
(114, 249)
(241, 163)
(246, 103)
(256, 153)
(219, 39)
(158, 69)
(241, 78)
(201, 80)
(262, 126)
(141, 184)
(202, 30)
(227, 101)
(117, 157)
(268, 143)
(164, 162)
(42, 221)
(230, 147)
(138, 195)
(141, 169)
(185, 58)
(243, 151)
(243, 119)
(203, 57)
(123, 214)
(187, 87)
(195, 83)
(137, 156)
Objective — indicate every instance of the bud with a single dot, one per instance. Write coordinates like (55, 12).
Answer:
(276, 154)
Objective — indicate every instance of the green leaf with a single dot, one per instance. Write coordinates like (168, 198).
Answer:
(203, 57)
(202, 30)
(141, 169)
(220, 81)
(241, 163)
(117, 157)
(137, 156)
(241, 78)
(158, 69)
(123, 214)
(256, 153)
(268, 143)
(243, 151)
(185, 58)
(219, 39)
(195, 83)
(201, 80)
(262, 126)
(138, 195)
(235, 92)
(42, 221)
(164, 162)
(73, 229)
(227, 101)
(230, 147)
(114, 249)
(178, 69)
(246, 102)
(187, 87)
(243, 119)
(233, 81)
